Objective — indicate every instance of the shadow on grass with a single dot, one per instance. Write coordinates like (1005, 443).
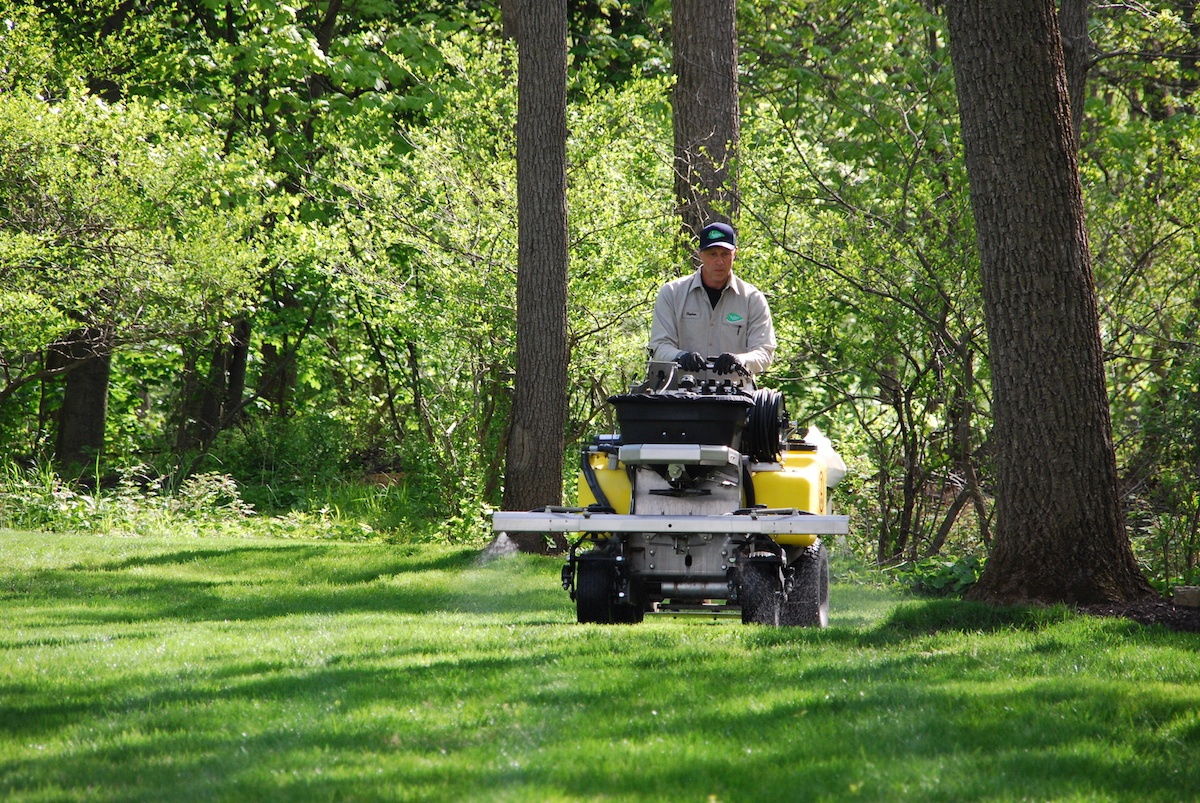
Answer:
(475, 729)
(243, 558)
(940, 615)
(918, 618)
(899, 619)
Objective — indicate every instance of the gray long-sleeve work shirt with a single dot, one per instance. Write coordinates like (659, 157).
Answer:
(685, 320)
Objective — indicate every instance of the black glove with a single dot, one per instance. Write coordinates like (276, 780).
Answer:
(728, 363)
(690, 361)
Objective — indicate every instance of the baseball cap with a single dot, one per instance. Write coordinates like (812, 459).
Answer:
(718, 234)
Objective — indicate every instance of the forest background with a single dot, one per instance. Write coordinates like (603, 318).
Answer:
(265, 256)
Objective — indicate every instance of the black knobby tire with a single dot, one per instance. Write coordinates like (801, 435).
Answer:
(807, 602)
(593, 592)
(759, 594)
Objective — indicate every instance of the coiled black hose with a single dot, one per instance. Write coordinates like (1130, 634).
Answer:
(593, 482)
(764, 432)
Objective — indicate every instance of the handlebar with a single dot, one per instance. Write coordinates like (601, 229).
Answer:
(710, 364)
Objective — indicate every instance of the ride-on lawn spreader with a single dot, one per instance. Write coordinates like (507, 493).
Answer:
(703, 503)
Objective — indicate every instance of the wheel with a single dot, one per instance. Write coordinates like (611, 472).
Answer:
(628, 614)
(760, 593)
(634, 610)
(593, 592)
(807, 602)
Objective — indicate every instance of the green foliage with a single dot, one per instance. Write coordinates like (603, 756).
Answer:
(28, 43)
(138, 501)
(285, 452)
(863, 232)
(620, 40)
(124, 219)
(341, 186)
(940, 576)
(435, 233)
(623, 237)
(110, 197)
(1139, 169)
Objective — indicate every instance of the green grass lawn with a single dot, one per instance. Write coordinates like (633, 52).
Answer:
(254, 669)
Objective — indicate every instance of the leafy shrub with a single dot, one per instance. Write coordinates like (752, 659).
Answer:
(140, 503)
(941, 576)
(284, 454)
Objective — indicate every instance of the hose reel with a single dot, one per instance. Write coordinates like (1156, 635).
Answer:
(763, 440)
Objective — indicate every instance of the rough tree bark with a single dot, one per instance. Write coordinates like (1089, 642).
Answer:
(211, 404)
(534, 458)
(1060, 535)
(705, 113)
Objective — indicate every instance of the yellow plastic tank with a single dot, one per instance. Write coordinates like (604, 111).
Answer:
(614, 482)
(799, 482)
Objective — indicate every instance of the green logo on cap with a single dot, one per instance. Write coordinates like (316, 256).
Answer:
(733, 317)
(715, 234)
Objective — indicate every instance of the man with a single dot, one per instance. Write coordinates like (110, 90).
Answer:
(712, 312)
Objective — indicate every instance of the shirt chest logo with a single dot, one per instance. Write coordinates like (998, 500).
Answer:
(733, 317)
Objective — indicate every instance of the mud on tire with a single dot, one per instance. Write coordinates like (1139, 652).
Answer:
(807, 602)
(759, 594)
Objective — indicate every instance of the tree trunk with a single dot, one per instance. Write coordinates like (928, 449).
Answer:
(279, 373)
(1077, 56)
(213, 403)
(705, 111)
(239, 358)
(534, 458)
(1060, 536)
(84, 410)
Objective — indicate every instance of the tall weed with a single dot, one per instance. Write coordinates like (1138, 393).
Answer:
(136, 503)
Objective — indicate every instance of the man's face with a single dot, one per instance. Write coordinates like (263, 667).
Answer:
(716, 266)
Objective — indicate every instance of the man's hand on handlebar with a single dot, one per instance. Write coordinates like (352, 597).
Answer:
(690, 361)
(724, 364)
(729, 363)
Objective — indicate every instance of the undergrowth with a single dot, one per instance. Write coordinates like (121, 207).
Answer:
(138, 502)
(939, 575)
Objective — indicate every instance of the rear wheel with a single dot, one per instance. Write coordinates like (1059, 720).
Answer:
(759, 593)
(808, 593)
(593, 592)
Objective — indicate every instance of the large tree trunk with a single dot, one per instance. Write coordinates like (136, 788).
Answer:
(705, 111)
(534, 467)
(1060, 536)
(84, 410)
